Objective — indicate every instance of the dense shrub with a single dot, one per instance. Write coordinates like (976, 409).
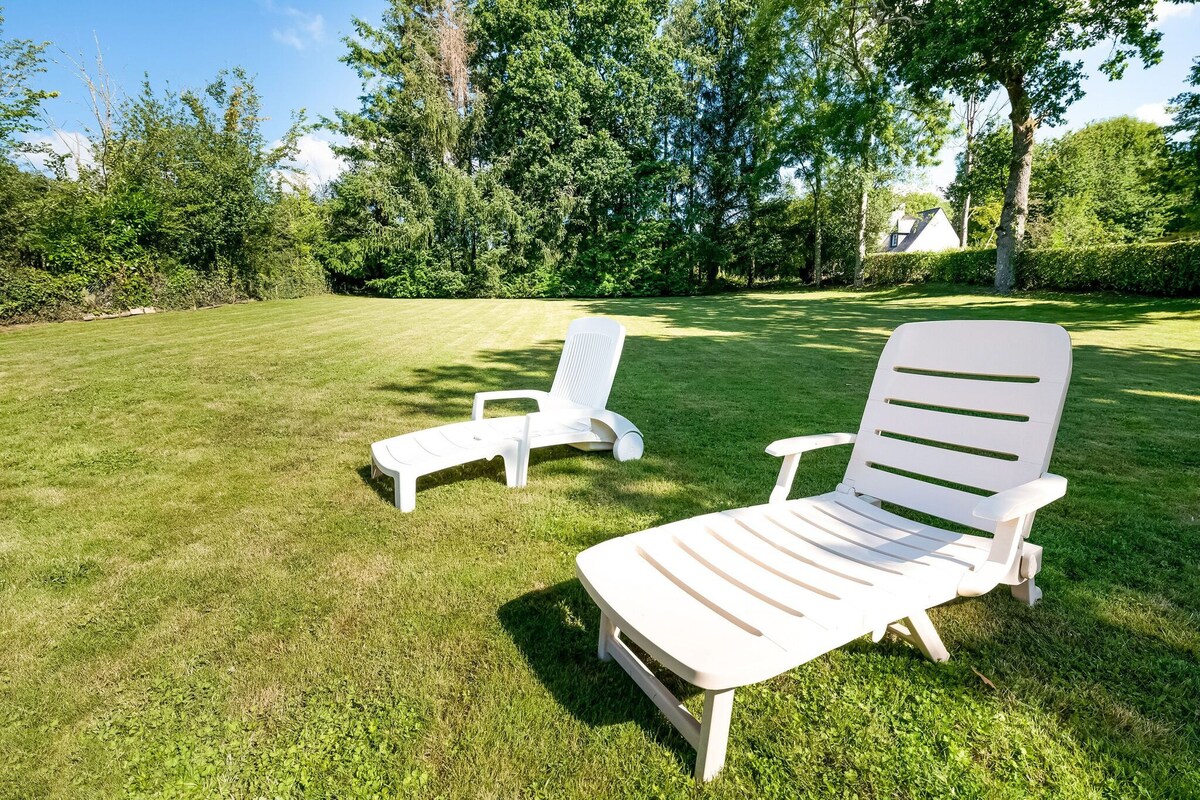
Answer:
(182, 204)
(1164, 269)
(951, 266)
(27, 294)
(1171, 268)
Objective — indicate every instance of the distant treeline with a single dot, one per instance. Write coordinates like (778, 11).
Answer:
(590, 148)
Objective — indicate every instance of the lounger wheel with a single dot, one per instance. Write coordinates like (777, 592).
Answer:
(629, 447)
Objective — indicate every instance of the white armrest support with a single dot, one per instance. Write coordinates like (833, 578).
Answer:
(1010, 510)
(790, 450)
(802, 444)
(566, 415)
(1022, 500)
(511, 394)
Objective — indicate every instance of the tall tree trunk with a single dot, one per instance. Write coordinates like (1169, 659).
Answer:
(712, 266)
(860, 255)
(1011, 230)
(971, 111)
(965, 220)
(817, 226)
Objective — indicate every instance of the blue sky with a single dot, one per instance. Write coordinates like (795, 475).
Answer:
(293, 48)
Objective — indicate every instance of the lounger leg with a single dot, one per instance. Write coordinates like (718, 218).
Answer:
(714, 733)
(406, 493)
(918, 630)
(1027, 592)
(512, 471)
(522, 466)
(608, 632)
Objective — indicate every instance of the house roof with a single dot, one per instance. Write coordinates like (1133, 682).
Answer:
(910, 226)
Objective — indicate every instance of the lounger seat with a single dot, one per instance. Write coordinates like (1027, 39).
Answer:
(772, 586)
(571, 413)
(959, 425)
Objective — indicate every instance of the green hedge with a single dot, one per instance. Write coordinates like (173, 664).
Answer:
(1171, 268)
(31, 295)
(27, 294)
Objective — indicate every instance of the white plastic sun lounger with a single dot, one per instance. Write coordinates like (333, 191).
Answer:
(959, 424)
(573, 412)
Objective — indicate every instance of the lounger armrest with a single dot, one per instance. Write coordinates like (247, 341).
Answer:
(802, 444)
(1021, 500)
(511, 394)
(1010, 511)
(790, 450)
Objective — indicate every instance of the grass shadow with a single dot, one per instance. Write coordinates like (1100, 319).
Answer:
(556, 630)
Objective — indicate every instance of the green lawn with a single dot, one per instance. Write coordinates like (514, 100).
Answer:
(202, 593)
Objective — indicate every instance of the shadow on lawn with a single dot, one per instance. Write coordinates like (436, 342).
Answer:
(556, 630)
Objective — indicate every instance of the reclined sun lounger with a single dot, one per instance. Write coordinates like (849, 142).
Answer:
(572, 412)
(959, 424)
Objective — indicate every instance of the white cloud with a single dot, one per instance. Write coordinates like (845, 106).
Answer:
(1165, 11)
(73, 144)
(316, 159)
(1154, 112)
(302, 29)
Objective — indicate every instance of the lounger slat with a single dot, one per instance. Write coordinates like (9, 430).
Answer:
(754, 547)
(928, 498)
(434, 443)
(898, 544)
(718, 592)
(968, 469)
(662, 618)
(1032, 400)
(894, 566)
(872, 569)
(853, 511)
(1025, 440)
(767, 585)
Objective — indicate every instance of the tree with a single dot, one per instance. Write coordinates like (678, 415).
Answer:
(843, 114)
(408, 217)
(976, 123)
(892, 128)
(1104, 183)
(20, 61)
(1024, 49)
(1185, 133)
(731, 49)
(815, 118)
(983, 183)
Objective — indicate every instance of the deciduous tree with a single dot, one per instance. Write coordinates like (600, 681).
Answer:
(21, 61)
(1027, 49)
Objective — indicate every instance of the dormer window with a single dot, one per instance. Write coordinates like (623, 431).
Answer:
(895, 239)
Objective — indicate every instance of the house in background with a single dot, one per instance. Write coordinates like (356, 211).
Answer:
(926, 231)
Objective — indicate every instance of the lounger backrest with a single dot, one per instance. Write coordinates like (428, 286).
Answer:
(960, 410)
(589, 361)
